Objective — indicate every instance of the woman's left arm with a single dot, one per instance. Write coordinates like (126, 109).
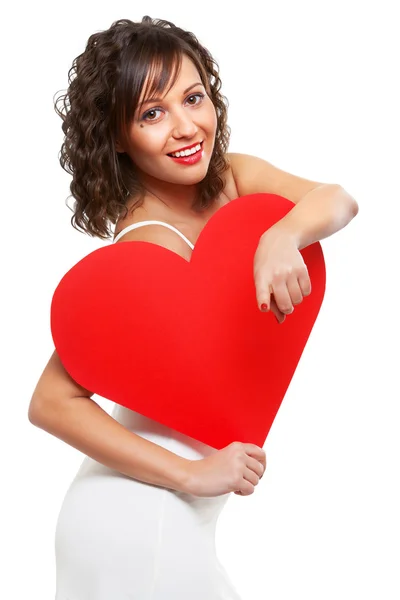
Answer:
(317, 215)
(279, 268)
(280, 274)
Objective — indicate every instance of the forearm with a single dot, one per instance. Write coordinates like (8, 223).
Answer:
(321, 212)
(83, 424)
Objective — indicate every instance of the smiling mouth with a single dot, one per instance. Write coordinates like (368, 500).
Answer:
(201, 147)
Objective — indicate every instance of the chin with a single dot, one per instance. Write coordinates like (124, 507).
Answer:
(190, 177)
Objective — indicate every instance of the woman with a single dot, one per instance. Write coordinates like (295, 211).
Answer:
(139, 518)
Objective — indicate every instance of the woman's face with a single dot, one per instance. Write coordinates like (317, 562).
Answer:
(179, 119)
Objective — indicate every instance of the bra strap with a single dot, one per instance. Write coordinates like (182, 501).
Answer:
(141, 223)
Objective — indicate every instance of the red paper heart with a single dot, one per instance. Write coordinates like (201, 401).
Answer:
(184, 343)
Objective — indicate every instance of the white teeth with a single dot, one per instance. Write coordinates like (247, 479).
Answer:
(186, 152)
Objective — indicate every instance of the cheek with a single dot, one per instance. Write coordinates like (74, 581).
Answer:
(147, 143)
(212, 115)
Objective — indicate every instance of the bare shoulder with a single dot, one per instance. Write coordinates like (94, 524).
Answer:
(254, 175)
(55, 383)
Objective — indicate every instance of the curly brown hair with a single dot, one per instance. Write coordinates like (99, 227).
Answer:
(105, 83)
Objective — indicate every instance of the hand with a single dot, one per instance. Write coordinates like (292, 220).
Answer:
(280, 272)
(236, 468)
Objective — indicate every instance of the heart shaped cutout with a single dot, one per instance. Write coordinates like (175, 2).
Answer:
(184, 343)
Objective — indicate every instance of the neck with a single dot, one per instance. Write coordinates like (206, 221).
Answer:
(174, 197)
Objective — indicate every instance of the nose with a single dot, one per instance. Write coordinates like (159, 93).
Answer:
(183, 125)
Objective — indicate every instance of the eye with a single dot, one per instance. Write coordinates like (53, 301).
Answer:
(153, 110)
(196, 95)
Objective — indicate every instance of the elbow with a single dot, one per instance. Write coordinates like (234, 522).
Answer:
(354, 208)
(35, 411)
(352, 203)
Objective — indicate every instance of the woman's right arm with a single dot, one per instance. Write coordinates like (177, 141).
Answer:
(63, 408)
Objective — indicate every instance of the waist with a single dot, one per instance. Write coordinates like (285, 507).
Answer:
(161, 434)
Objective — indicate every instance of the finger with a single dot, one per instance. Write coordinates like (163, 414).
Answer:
(305, 283)
(280, 317)
(282, 297)
(250, 476)
(246, 489)
(295, 292)
(254, 453)
(264, 297)
(258, 466)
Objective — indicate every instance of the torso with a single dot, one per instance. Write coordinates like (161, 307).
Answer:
(190, 227)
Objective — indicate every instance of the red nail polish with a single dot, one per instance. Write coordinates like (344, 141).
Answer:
(264, 307)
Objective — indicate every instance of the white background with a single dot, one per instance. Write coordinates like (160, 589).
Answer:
(312, 88)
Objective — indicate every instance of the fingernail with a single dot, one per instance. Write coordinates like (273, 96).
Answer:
(264, 307)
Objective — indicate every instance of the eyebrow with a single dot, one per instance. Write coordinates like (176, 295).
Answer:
(160, 99)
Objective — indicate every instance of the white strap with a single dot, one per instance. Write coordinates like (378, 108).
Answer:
(135, 225)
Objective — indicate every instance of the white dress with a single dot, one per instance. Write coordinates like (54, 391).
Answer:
(118, 538)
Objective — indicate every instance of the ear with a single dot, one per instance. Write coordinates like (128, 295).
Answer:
(118, 147)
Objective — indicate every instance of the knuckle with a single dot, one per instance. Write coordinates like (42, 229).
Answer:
(302, 269)
(277, 277)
